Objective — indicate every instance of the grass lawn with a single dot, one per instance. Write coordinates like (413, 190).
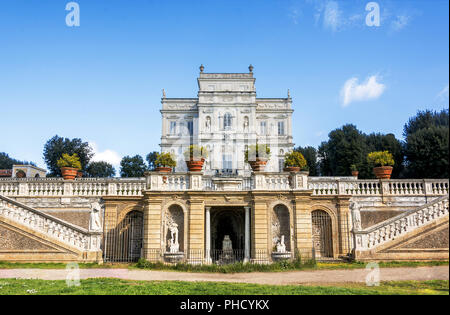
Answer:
(124, 287)
(233, 268)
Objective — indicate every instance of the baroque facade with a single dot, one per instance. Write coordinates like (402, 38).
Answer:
(227, 212)
(226, 118)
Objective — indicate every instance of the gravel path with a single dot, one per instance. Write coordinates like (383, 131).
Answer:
(278, 278)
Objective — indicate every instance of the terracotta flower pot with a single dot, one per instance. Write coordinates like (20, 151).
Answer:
(258, 165)
(163, 169)
(383, 172)
(292, 169)
(195, 166)
(355, 173)
(69, 173)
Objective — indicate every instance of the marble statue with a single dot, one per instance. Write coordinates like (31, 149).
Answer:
(174, 244)
(227, 245)
(246, 123)
(94, 220)
(208, 124)
(281, 246)
(356, 216)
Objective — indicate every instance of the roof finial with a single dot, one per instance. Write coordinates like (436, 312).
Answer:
(202, 68)
(289, 93)
(250, 68)
(164, 93)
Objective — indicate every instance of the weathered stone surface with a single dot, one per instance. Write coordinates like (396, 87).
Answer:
(437, 239)
(370, 218)
(77, 217)
(10, 239)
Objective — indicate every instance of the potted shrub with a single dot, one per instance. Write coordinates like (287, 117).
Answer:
(382, 162)
(164, 162)
(69, 165)
(257, 156)
(195, 157)
(294, 162)
(354, 170)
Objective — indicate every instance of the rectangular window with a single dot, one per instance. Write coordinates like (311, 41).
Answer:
(280, 165)
(263, 128)
(281, 128)
(173, 127)
(227, 162)
(190, 126)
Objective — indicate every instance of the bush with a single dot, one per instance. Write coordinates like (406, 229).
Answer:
(69, 161)
(165, 160)
(380, 158)
(257, 151)
(295, 159)
(195, 153)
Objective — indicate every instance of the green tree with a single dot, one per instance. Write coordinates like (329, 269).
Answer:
(132, 166)
(100, 169)
(151, 158)
(7, 162)
(310, 154)
(425, 119)
(346, 146)
(56, 146)
(426, 145)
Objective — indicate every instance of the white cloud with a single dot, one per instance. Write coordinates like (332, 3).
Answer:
(352, 91)
(109, 156)
(332, 16)
(400, 22)
(294, 15)
(443, 94)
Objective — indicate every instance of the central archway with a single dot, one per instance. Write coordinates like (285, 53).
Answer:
(229, 222)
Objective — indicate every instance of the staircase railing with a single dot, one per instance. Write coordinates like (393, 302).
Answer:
(397, 226)
(52, 227)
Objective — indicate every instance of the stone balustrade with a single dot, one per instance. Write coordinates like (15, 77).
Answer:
(400, 225)
(85, 187)
(326, 186)
(320, 186)
(52, 227)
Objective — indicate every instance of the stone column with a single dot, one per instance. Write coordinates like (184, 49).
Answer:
(247, 235)
(260, 230)
(196, 231)
(152, 230)
(344, 226)
(303, 226)
(208, 234)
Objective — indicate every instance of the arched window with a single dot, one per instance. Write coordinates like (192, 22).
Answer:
(227, 121)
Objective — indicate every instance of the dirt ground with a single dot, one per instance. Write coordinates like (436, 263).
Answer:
(271, 278)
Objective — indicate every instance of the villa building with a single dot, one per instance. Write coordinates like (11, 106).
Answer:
(226, 118)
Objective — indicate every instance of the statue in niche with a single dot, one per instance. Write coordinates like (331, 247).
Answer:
(174, 245)
(208, 124)
(227, 245)
(281, 246)
(246, 123)
(356, 216)
(94, 220)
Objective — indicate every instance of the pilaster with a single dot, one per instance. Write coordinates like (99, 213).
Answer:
(152, 229)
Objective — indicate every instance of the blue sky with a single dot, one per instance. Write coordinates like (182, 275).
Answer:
(102, 81)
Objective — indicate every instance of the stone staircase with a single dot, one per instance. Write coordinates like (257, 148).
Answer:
(27, 234)
(419, 234)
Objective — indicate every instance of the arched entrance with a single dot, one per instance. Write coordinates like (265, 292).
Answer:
(227, 223)
(281, 226)
(322, 234)
(174, 217)
(124, 242)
